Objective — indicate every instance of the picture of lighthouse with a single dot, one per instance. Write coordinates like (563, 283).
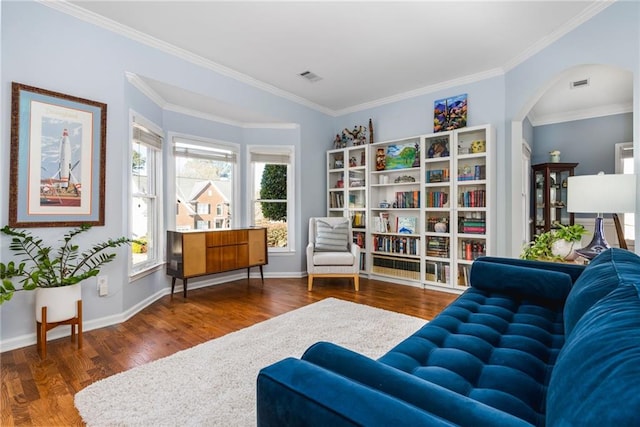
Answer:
(59, 184)
(65, 159)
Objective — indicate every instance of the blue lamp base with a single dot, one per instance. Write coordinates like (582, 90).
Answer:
(598, 243)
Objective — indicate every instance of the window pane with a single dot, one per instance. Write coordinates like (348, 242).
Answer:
(277, 236)
(200, 184)
(139, 169)
(142, 229)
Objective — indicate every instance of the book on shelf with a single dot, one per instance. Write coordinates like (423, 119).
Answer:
(438, 247)
(472, 225)
(408, 199)
(472, 199)
(436, 271)
(437, 199)
(406, 224)
(437, 175)
(336, 200)
(400, 245)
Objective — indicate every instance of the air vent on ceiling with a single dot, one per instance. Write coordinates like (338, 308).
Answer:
(312, 77)
(579, 83)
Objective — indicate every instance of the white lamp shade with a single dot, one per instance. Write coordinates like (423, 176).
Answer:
(615, 193)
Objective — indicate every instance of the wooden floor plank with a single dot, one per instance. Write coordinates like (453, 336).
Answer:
(40, 393)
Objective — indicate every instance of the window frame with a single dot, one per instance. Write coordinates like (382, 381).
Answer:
(275, 151)
(207, 144)
(137, 120)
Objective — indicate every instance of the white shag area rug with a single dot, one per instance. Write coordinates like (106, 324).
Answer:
(214, 383)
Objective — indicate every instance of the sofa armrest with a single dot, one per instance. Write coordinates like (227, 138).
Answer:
(573, 270)
(516, 279)
(437, 400)
(355, 251)
(310, 256)
(294, 392)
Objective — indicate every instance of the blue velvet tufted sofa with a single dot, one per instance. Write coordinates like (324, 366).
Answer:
(529, 343)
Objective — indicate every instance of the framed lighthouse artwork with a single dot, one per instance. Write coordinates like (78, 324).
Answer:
(57, 169)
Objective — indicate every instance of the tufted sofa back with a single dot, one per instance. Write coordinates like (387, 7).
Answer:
(596, 381)
(496, 344)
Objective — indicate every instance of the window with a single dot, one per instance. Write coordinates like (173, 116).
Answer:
(624, 164)
(146, 186)
(205, 175)
(272, 194)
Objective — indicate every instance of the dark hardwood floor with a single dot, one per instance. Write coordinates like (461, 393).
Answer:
(40, 393)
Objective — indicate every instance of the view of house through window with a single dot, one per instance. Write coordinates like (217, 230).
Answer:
(272, 194)
(205, 171)
(146, 148)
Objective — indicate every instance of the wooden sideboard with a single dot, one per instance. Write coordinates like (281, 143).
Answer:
(199, 253)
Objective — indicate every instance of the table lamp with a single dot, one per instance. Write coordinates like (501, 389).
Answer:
(600, 194)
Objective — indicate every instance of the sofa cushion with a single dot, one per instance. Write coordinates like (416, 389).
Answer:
(332, 237)
(333, 258)
(517, 280)
(596, 380)
(602, 276)
(495, 348)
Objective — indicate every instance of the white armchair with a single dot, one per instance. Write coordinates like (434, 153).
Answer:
(330, 252)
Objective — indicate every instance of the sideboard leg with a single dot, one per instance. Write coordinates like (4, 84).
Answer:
(184, 287)
(173, 285)
(261, 275)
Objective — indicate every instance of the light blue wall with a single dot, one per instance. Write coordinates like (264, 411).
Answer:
(46, 48)
(589, 142)
(611, 38)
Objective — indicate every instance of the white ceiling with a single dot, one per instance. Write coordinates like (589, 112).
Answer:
(367, 53)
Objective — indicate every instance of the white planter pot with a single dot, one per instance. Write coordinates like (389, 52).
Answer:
(61, 302)
(566, 250)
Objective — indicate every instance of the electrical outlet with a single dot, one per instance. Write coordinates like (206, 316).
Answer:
(103, 286)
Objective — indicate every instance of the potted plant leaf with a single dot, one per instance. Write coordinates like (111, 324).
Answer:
(53, 271)
(555, 245)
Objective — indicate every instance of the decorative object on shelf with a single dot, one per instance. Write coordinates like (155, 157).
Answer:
(554, 156)
(339, 142)
(338, 163)
(383, 179)
(353, 162)
(400, 156)
(340, 184)
(416, 162)
(478, 147)
(406, 224)
(370, 132)
(384, 204)
(404, 178)
(67, 187)
(358, 135)
(381, 160)
(440, 227)
(450, 113)
(438, 148)
(614, 193)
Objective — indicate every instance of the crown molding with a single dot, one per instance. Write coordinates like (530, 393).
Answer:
(591, 113)
(572, 24)
(426, 90)
(143, 87)
(108, 24)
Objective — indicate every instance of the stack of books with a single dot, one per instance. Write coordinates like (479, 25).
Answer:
(438, 247)
(472, 225)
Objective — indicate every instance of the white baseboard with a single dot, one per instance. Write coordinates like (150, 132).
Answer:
(88, 325)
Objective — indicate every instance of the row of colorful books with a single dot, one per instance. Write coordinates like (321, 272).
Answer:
(472, 249)
(472, 225)
(336, 200)
(398, 267)
(472, 199)
(408, 199)
(438, 247)
(437, 199)
(397, 244)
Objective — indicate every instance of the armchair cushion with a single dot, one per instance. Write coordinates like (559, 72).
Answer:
(332, 237)
(333, 258)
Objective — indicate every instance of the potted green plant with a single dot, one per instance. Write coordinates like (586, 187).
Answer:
(568, 238)
(555, 245)
(48, 270)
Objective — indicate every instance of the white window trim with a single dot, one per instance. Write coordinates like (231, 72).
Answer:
(155, 264)
(291, 193)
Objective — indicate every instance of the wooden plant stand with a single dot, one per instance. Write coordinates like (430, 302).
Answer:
(43, 327)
